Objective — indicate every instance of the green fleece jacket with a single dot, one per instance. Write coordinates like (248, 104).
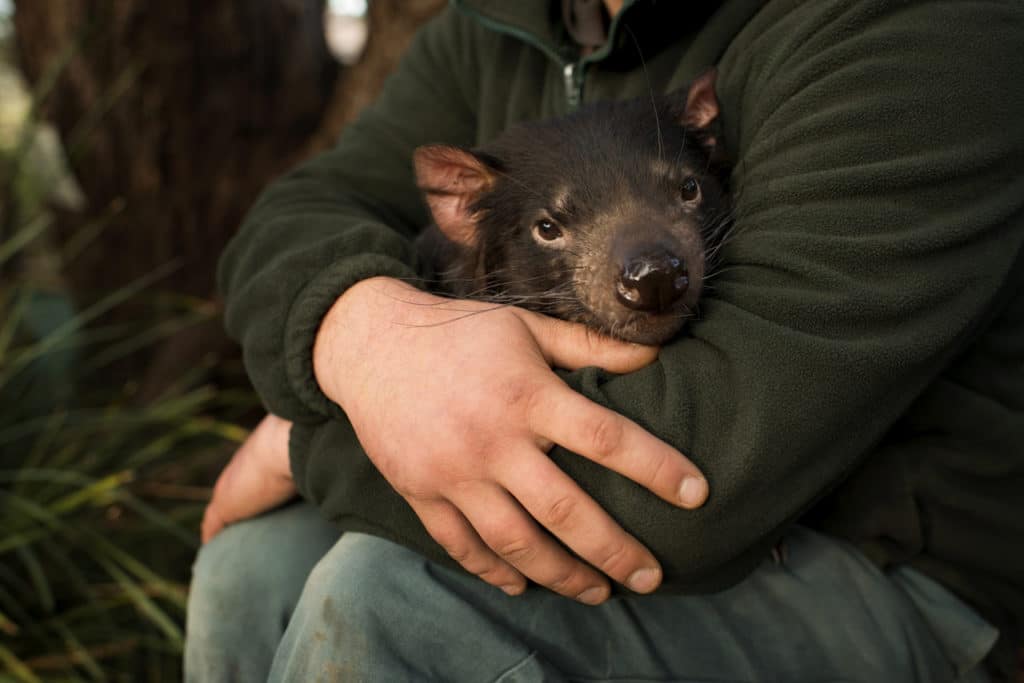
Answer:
(860, 361)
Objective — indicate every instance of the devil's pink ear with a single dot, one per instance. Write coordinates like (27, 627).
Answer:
(701, 101)
(452, 179)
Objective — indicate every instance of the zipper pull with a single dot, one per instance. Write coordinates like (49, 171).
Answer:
(573, 85)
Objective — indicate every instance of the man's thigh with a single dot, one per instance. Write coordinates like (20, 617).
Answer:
(375, 611)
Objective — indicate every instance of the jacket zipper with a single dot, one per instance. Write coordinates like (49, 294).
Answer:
(573, 72)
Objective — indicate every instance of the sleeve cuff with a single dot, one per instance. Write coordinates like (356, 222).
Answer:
(298, 455)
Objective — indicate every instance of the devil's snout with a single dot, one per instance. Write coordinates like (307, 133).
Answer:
(652, 280)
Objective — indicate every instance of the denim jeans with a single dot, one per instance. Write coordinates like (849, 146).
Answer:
(283, 598)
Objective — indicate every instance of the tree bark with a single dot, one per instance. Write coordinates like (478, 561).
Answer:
(175, 115)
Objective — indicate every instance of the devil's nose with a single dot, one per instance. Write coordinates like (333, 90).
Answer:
(652, 281)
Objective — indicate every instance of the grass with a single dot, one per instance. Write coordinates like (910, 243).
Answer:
(101, 492)
(97, 529)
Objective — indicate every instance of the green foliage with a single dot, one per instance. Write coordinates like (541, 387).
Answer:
(101, 491)
(96, 532)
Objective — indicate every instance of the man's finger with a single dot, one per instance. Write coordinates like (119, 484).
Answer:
(559, 414)
(449, 528)
(510, 532)
(563, 508)
(573, 346)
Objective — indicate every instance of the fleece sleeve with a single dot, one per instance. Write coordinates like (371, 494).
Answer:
(349, 214)
(879, 218)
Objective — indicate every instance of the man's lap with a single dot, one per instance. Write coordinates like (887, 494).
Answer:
(372, 610)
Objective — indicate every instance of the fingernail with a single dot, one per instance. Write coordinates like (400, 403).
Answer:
(644, 580)
(693, 491)
(512, 589)
(592, 596)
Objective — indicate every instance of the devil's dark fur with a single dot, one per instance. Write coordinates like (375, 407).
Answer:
(609, 176)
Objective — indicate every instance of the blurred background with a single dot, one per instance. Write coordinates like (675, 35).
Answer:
(133, 137)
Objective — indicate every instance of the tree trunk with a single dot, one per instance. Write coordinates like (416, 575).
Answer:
(174, 116)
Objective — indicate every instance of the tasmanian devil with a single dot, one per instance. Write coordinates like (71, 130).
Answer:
(609, 216)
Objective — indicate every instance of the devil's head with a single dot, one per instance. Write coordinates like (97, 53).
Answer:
(602, 217)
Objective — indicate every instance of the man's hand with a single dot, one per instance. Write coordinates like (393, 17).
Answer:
(456, 404)
(257, 478)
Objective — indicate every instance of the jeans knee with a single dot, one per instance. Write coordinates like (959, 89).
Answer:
(261, 561)
(223, 578)
(358, 577)
(245, 585)
(365, 586)
(356, 614)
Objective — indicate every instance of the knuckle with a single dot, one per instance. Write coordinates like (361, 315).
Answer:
(462, 424)
(659, 468)
(522, 393)
(519, 550)
(560, 513)
(473, 558)
(460, 553)
(447, 535)
(606, 434)
(493, 573)
(565, 581)
(515, 391)
(462, 464)
(614, 559)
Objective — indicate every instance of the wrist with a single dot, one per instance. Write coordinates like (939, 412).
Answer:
(348, 329)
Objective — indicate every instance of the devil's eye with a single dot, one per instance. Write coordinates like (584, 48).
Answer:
(547, 230)
(689, 190)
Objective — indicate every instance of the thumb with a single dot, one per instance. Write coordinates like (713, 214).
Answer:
(574, 345)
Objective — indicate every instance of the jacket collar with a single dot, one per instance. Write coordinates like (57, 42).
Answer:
(536, 22)
(651, 23)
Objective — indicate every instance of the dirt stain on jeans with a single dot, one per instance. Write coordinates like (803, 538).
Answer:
(345, 652)
(328, 612)
(333, 673)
